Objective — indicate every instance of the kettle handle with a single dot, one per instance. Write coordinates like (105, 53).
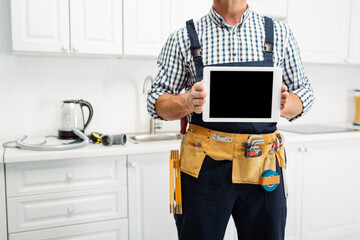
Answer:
(84, 103)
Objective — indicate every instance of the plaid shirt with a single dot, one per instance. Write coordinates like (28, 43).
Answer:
(222, 43)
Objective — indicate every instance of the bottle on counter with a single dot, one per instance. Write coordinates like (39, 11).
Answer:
(357, 107)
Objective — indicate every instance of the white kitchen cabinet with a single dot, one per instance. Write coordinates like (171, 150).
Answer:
(294, 181)
(96, 26)
(148, 184)
(330, 201)
(321, 28)
(55, 210)
(106, 230)
(146, 26)
(29, 178)
(40, 25)
(64, 199)
(183, 10)
(354, 41)
(271, 8)
(3, 222)
(61, 26)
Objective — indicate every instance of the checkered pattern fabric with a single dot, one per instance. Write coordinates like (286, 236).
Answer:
(222, 43)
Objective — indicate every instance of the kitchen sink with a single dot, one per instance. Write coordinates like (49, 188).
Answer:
(137, 138)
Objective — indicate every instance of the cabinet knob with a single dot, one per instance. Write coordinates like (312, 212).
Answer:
(75, 49)
(65, 48)
(69, 176)
(133, 165)
(71, 210)
(303, 149)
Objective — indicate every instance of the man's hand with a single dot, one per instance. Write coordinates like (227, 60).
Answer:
(291, 105)
(196, 97)
(284, 96)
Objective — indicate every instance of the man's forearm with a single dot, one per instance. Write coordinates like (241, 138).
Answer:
(294, 107)
(172, 107)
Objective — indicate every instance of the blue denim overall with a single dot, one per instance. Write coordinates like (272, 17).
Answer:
(210, 199)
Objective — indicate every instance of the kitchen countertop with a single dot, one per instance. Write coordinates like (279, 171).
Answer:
(12, 155)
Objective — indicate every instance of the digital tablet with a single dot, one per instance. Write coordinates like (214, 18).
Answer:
(242, 94)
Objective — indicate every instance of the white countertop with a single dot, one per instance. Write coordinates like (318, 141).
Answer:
(12, 155)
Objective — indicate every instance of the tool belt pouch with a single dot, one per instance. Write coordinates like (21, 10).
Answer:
(245, 169)
(249, 169)
(192, 156)
(280, 155)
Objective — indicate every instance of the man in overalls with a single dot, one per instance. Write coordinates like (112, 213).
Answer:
(218, 179)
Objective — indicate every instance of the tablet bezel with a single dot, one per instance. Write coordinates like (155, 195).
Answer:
(276, 94)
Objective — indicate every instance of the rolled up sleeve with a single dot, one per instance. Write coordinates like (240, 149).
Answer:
(171, 76)
(294, 76)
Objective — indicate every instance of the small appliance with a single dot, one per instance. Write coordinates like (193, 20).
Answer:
(72, 116)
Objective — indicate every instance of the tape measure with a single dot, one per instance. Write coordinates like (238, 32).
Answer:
(269, 173)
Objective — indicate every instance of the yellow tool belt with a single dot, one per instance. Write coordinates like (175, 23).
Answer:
(199, 142)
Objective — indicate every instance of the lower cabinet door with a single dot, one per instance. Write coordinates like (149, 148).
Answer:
(330, 195)
(107, 230)
(149, 217)
(3, 227)
(55, 210)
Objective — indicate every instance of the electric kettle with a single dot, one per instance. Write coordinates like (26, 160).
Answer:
(72, 116)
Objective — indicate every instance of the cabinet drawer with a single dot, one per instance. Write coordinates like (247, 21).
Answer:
(64, 175)
(107, 230)
(54, 210)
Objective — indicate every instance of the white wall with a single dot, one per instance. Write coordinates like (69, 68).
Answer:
(32, 88)
(333, 86)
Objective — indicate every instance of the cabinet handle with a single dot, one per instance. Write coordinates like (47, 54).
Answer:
(133, 165)
(71, 210)
(75, 49)
(69, 175)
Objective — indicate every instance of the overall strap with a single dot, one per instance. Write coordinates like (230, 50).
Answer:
(195, 49)
(269, 39)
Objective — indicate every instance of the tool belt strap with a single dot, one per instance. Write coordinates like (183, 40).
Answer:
(269, 180)
(231, 138)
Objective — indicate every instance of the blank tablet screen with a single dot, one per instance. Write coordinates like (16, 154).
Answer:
(241, 94)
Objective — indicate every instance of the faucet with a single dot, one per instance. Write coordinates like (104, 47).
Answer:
(153, 123)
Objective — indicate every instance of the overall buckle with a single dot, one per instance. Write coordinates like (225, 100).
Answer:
(269, 47)
(196, 52)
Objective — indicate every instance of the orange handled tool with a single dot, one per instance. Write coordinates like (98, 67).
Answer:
(175, 183)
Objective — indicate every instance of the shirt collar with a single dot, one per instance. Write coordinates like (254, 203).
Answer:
(219, 21)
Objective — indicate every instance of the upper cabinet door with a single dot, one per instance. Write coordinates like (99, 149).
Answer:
(146, 26)
(40, 25)
(96, 26)
(271, 8)
(321, 29)
(354, 41)
(183, 10)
